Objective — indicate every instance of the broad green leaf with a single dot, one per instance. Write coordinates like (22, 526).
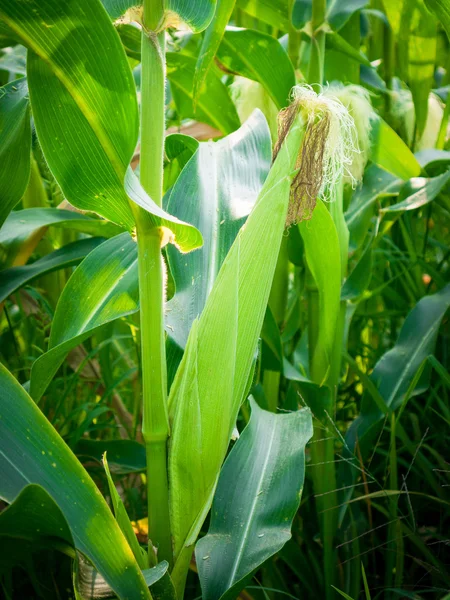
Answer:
(34, 519)
(85, 113)
(273, 12)
(186, 237)
(122, 519)
(211, 42)
(418, 192)
(178, 149)
(260, 57)
(214, 105)
(22, 223)
(441, 8)
(14, 278)
(124, 456)
(31, 451)
(376, 182)
(323, 257)
(213, 375)
(390, 152)
(224, 178)
(336, 42)
(197, 14)
(15, 144)
(339, 12)
(104, 287)
(396, 369)
(257, 497)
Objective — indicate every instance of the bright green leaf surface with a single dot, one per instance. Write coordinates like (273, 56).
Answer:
(224, 178)
(214, 105)
(31, 451)
(441, 8)
(211, 41)
(260, 57)
(257, 497)
(418, 192)
(15, 144)
(14, 278)
(34, 517)
(390, 152)
(323, 256)
(213, 375)
(104, 287)
(22, 223)
(85, 113)
(186, 237)
(272, 12)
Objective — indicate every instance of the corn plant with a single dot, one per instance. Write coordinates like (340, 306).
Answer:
(224, 284)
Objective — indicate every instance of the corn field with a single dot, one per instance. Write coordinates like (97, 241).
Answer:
(224, 285)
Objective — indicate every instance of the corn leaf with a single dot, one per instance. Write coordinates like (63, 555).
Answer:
(419, 191)
(213, 375)
(15, 144)
(257, 497)
(225, 178)
(377, 182)
(214, 105)
(273, 12)
(124, 456)
(197, 14)
(31, 451)
(260, 57)
(123, 521)
(211, 42)
(441, 8)
(104, 287)
(34, 518)
(390, 152)
(85, 113)
(14, 278)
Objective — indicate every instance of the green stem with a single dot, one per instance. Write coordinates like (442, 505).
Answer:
(155, 422)
(440, 142)
(317, 59)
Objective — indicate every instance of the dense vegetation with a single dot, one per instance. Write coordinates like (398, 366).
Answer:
(225, 271)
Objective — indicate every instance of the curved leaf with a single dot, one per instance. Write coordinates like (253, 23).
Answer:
(14, 278)
(85, 113)
(186, 237)
(104, 287)
(124, 456)
(15, 144)
(197, 14)
(22, 223)
(260, 57)
(441, 8)
(224, 178)
(31, 451)
(418, 192)
(390, 152)
(214, 105)
(272, 12)
(257, 497)
(211, 42)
